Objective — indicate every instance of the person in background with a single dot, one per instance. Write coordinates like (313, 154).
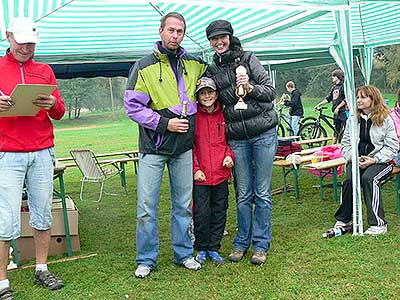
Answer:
(295, 106)
(158, 87)
(395, 114)
(338, 99)
(377, 146)
(212, 161)
(26, 153)
(251, 135)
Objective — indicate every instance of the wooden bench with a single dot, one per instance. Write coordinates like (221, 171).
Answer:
(333, 164)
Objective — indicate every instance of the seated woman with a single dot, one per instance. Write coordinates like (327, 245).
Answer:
(377, 146)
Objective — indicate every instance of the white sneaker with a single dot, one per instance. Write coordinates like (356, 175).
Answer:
(341, 224)
(376, 230)
(191, 264)
(142, 271)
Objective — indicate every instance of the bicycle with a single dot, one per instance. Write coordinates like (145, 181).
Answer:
(313, 129)
(284, 125)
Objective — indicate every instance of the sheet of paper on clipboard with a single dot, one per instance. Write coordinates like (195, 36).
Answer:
(22, 97)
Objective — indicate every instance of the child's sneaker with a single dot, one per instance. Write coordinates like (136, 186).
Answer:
(215, 257)
(376, 230)
(201, 256)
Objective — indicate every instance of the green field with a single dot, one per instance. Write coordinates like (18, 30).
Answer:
(301, 264)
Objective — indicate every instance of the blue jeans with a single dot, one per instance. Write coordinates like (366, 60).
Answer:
(253, 173)
(151, 170)
(294, 123)
(36, 170)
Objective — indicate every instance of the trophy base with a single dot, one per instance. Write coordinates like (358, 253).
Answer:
(240, 106)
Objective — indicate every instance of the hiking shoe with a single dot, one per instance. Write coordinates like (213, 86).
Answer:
(201, 257)
(215, 257)
(236, 255)
(341, 224)
(258, 258)
(6, 294)
(48, 280)
(376, 230)
(192, 264)
(142, 271)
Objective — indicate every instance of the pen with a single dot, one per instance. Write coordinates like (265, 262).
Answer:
(10, 103)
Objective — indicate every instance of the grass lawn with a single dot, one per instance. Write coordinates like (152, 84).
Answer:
(301, 264)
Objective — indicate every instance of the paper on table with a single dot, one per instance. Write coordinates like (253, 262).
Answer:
(23, 95)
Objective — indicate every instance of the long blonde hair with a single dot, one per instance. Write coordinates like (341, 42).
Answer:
(379, 108)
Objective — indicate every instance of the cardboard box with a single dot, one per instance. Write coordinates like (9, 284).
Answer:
(58, 228)
(58, 245)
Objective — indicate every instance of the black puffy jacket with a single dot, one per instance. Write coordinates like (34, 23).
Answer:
(259, 115)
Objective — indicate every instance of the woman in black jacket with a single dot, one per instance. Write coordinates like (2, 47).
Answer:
(251, 135)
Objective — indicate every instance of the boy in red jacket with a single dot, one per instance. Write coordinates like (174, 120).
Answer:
(212, 161)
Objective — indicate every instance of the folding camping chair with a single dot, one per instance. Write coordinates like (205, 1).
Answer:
(93, 171)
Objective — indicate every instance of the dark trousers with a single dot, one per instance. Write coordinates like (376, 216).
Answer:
(209, 213)
(371, 179)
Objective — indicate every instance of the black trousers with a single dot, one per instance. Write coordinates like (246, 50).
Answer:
(371, 179)
(209, 213)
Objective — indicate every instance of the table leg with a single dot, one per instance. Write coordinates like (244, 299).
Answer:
(335, 184)
(123, 176)
(65, 214)
(398, 192)
(15, 252)
(296, 182)
(284, 180)
(321, 188)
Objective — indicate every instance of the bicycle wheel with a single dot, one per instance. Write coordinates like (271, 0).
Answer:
(281, 130)
(306, 120)
(313, 131)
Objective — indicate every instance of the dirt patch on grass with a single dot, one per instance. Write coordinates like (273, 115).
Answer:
(76, 128)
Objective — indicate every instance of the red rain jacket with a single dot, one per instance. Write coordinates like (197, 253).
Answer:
(210, 146)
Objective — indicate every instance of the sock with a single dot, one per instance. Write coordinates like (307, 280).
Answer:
(4, 284)
(41, 267)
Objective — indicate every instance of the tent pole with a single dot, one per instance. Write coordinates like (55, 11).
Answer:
(112, 99)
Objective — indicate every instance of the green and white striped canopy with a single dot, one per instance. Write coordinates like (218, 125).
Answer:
(283, 33)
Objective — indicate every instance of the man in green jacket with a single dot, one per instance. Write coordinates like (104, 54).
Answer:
(158, 86)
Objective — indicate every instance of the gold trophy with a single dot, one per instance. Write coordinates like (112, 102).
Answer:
(240, 91)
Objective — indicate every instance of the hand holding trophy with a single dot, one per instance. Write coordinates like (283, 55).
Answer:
(240, 91)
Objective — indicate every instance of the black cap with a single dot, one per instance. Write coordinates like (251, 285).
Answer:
(219, 27)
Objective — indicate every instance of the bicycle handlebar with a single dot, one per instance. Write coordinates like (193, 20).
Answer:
(322, 108)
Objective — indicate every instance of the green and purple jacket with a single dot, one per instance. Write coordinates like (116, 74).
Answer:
(155, 93)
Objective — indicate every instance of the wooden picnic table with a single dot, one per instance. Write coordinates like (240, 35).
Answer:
(325, 168)
(132, 155)
(288, 167)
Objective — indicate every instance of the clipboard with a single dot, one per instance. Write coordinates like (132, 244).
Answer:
(23, 95)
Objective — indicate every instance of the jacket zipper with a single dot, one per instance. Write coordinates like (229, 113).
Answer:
(22, 73)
